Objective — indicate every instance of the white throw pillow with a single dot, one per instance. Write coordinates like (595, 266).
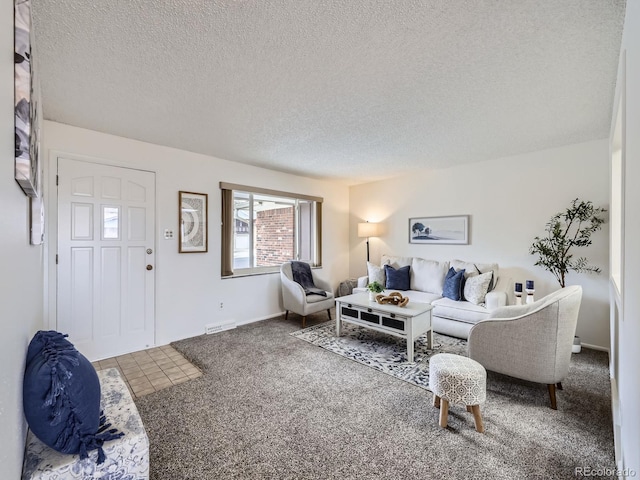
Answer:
(376, 274)
(428, 275)
(476, 287)
(395, 262)
(471, 270)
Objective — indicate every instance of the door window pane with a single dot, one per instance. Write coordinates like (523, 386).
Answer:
(110, 223)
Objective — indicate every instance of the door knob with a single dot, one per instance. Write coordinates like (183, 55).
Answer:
(149, 251)
(149, 267)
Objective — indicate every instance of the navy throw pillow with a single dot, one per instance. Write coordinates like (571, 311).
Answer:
(41, 339)
(61, 397)
(453, 284)
(397, 279)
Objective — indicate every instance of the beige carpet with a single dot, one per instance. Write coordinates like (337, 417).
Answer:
(272, 406)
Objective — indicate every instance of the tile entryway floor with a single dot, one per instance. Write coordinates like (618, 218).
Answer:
(151, 370)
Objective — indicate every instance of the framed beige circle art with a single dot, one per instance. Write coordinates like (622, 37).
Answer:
(193, 208)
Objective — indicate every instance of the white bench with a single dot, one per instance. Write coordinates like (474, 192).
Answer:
(127, 456)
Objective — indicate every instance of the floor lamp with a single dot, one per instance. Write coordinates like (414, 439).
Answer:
(366, 230)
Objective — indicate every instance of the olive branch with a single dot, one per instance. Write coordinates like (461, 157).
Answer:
(565, 230)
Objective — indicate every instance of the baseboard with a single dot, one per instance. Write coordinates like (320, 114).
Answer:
(617, 424)
(259, 319)
(595, 347)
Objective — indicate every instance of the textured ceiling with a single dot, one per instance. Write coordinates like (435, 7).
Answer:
(344, 90)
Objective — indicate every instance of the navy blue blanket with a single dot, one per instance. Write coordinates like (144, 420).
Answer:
(302, 275)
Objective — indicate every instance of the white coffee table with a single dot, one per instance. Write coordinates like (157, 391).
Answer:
(408, 322)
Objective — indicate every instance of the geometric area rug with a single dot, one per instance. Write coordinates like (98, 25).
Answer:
(386, 353)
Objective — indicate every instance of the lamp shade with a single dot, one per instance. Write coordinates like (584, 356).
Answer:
(368, 229)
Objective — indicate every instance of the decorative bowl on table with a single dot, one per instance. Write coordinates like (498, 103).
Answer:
(394, 298)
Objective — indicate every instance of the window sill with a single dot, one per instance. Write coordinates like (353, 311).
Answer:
(265, 271)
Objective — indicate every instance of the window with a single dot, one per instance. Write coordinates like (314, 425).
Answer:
(262, 228)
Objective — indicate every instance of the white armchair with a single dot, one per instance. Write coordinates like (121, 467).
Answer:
(295, 300)
(532, 342)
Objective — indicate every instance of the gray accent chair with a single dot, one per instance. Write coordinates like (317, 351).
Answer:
(532, 342)
(295, 300)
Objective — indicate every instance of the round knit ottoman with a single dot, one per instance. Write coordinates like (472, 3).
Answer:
(458, 380)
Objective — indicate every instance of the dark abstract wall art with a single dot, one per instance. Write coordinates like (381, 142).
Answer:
(27, 103)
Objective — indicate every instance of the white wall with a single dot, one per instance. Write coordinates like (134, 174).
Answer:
(509, 201)
(189, 288)
(20, 268)
(628, 335)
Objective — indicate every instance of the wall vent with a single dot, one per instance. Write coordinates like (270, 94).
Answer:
(218, 327)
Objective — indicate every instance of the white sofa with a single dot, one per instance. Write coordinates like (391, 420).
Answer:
(427, 277)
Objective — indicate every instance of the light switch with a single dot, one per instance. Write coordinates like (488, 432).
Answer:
(168, 234)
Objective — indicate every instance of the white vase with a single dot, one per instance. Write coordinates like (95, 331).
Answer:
(372, 296)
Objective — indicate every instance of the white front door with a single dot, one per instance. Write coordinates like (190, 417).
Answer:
(106, 253)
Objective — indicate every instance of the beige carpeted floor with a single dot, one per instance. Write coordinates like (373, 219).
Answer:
(272, 406)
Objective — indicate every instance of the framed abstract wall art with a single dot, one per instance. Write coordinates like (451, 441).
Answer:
(27, 102)
(444, 230)
(193, 222)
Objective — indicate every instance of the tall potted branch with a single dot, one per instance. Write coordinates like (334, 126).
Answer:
(565, 230)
